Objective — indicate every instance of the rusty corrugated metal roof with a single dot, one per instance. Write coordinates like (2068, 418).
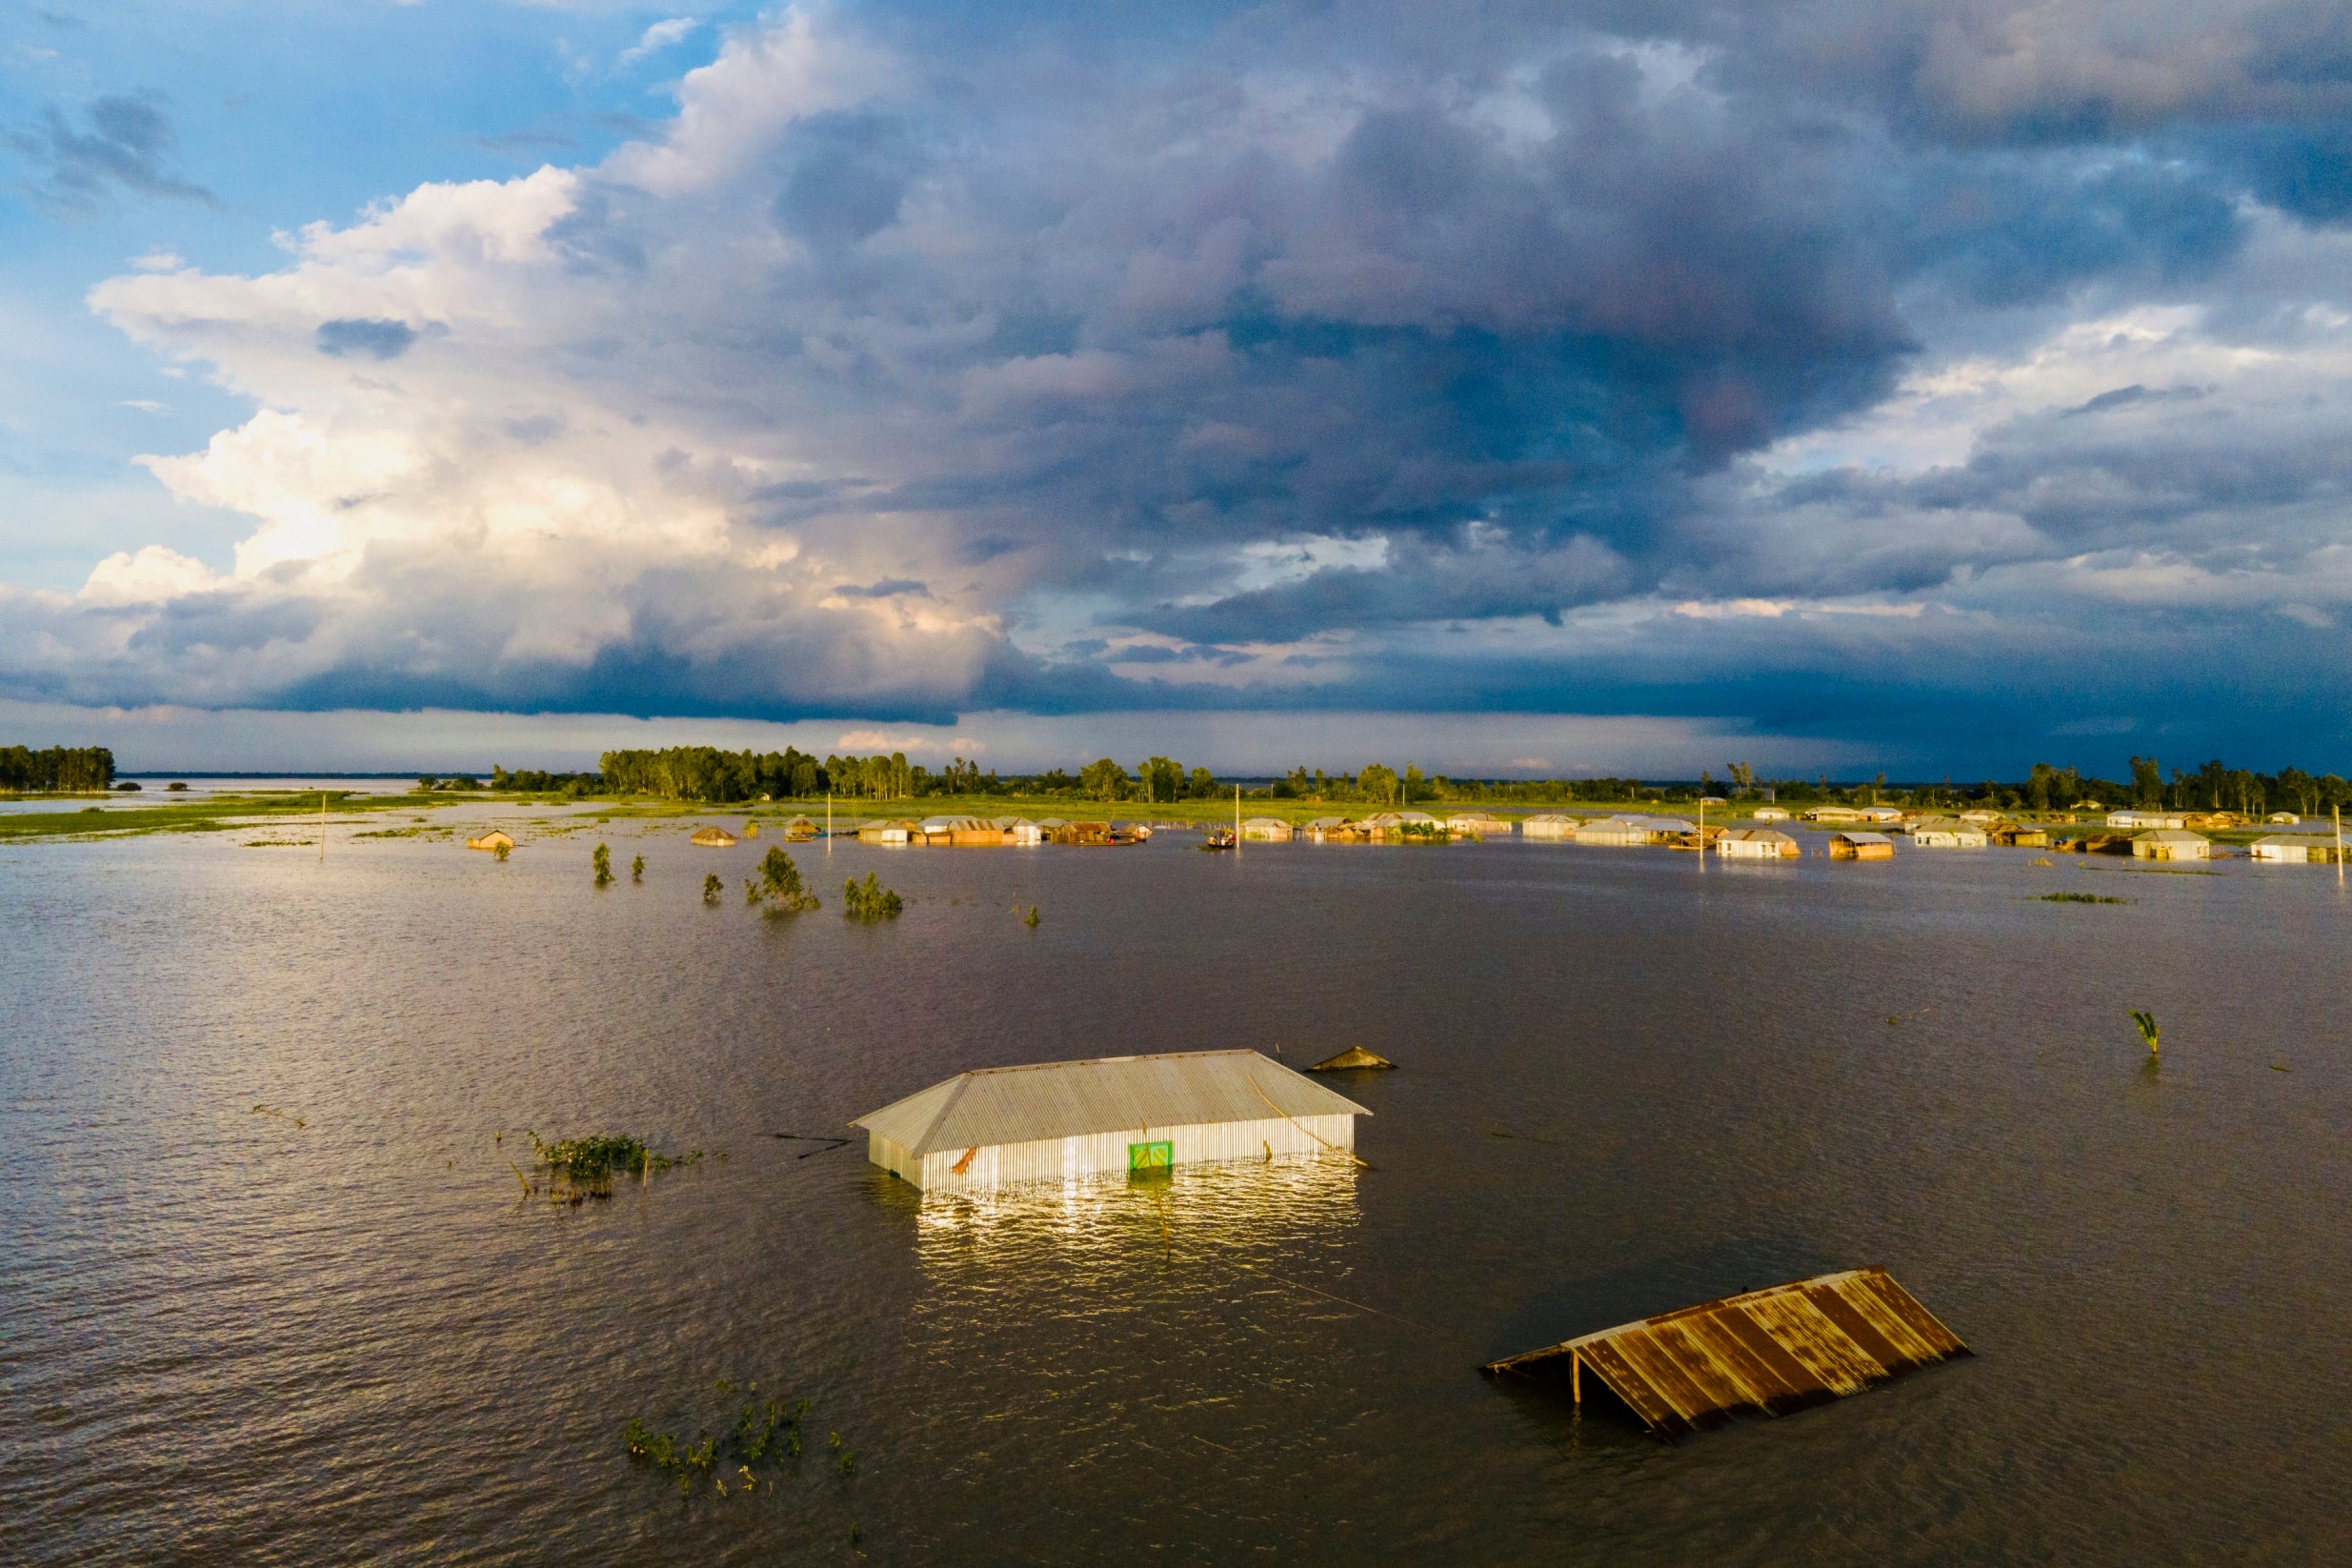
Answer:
(1763, 1353)
(1072, 1099)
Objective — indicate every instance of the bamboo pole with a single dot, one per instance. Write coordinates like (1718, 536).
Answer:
(1575, 1376)
(322, 827)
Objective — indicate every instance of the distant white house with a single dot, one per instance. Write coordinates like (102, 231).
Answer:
(1757, 844)
(1270, 829)
(2286, 819)
(1944, 833)
(1548, 825)
(1614, 831)
(2172, 844)
(1982, 819)
(1772, 814)
(1485, 824)
(2292, 849)
(1835, 813)
(2171, 821)
(1880, 813)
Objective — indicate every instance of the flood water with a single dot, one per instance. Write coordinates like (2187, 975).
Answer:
(1628, 1082)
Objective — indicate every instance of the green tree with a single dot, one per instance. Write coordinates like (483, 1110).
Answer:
(1378, 782)
(780, 883)
(869, 901)
(1412, 786)
(2147, 782)
(1104, 779)
(1163, 780)
(1203, 785)
(602, 861)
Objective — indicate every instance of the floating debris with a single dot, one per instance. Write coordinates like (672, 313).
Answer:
(1763, 1353)
(282, 1115)
(1354, 1058)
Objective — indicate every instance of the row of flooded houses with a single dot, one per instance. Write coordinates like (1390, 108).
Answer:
(2144, 836)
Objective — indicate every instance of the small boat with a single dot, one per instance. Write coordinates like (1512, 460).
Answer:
(1219, 838)
(1141, 830)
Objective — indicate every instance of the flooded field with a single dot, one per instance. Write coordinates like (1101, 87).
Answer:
(334, 1330)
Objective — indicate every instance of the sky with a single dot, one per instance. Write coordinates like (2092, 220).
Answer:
(1631, 386)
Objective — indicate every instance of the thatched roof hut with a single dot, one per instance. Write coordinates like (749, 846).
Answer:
(714, 839)
(497, 838)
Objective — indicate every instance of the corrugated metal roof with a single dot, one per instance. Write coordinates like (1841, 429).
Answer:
(1765, 1353)
(1108, 1095)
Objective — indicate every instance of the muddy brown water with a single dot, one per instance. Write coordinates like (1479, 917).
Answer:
(1629, 1081)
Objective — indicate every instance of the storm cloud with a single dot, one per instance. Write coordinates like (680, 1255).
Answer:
(1829, 360)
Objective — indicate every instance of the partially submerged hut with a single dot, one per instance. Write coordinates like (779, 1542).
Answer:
(714, 839)
(1354, 1060)
(2019, 836)
(1757, 844)
(800, 829)
(1548, 825)
(1332, 830)
(1860, 846)
(1485, 824)
(497, 838)
(2167, 844)
(1761, 1353)
(1068, 1120)
(2294, 849)
(1266, 829)
(895, 831)
(1944, 833)
(1613, 831)
(1772, 814)
(2169, 822)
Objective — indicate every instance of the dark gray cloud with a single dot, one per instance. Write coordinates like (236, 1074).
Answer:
(127, 146)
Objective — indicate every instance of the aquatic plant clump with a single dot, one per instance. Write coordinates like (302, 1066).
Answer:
(869, 901)
(602, 861)
(765, 1440)
(2081, 898)
(583, 1168)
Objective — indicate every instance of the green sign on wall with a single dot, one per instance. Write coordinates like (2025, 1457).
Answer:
(1151, 1157)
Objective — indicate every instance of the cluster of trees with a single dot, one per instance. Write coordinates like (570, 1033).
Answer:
(74, 769)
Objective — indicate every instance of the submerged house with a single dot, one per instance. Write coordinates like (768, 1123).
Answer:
(1615, 832)
(1068, 1120)
(497, 838)
(1548, 825)
(2295, 849)
(2171, 821)
(1485, 824)
(1268, 830)
(1860, 846)
(897, 831)
(2170, 844)
(1772, 814)
(1332, 830)
(1757, 844)
(714, 839)
(1944, 833)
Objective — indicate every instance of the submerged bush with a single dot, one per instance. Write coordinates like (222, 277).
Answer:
(869, 901)
(779, 882)
(712, 887)
(602, 861)
(582, 1168)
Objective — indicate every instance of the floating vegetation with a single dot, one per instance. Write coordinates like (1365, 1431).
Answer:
(276, 844)
(712, 887)
(579, 1169)
(602, 861)
(869, 901)
(499, 851)
(2145, 1023)
(282, 1115)
(780, 883)
(1032, 920)
(2079, 898)
(637, 869)
(759, 1449)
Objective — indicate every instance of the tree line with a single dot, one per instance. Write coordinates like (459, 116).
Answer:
(73, 768)
(705, 773)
